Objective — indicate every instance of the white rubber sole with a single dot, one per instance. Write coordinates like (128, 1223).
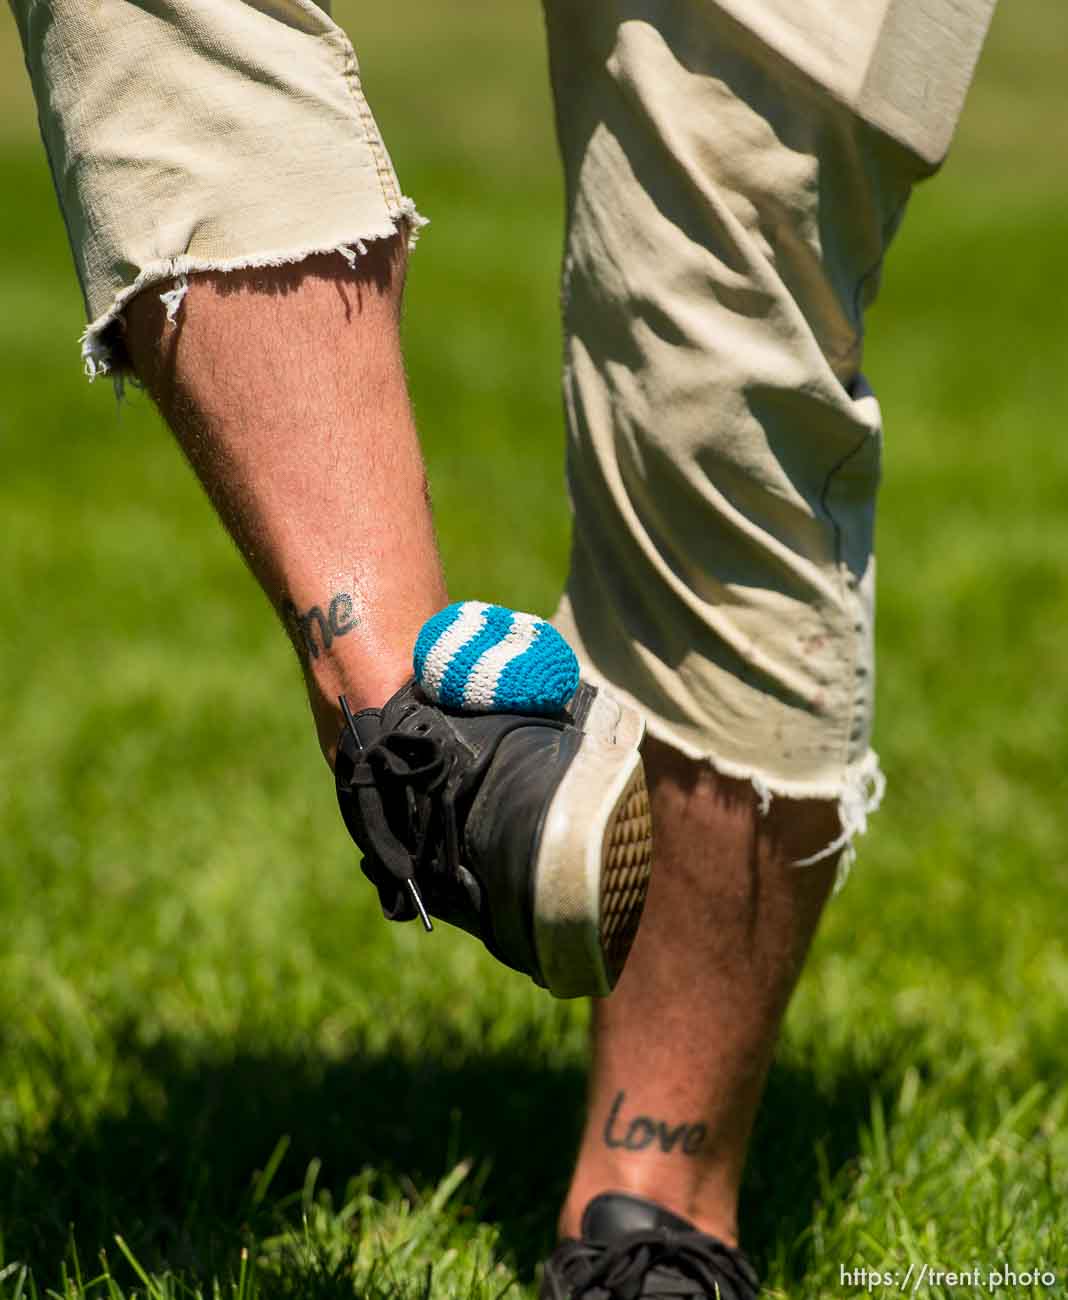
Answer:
(592, 868)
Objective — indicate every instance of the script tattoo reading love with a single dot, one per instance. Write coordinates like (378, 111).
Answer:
(642, 1131)
(338, 621)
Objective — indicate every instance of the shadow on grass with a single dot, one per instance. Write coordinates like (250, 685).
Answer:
(174, 1170)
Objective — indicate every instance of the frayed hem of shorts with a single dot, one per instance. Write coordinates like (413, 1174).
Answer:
(858, 793)
(97, 342)
(862, 788)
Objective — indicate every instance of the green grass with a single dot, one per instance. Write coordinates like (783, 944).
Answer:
(220, 1073)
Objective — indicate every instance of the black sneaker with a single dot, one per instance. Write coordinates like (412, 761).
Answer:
(632, 1249)
(532, 833)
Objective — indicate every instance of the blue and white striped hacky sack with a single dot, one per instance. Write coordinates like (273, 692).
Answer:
(488, 659)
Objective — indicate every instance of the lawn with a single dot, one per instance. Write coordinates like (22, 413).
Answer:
(220, 1071)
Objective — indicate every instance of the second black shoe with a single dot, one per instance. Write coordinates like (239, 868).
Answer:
(634, 1249)
(531, 832)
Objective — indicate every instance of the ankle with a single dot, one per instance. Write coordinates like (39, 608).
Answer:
(711, 1209)
(368, 688)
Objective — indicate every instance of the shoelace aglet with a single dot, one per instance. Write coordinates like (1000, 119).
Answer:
(350, 721)
(413, 889)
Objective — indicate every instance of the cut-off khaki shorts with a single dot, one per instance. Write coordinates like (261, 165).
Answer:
(735, 172)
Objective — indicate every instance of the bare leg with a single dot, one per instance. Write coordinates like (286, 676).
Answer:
(682, 1047)
(285, 388)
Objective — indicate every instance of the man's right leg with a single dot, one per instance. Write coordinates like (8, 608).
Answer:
(728, 217)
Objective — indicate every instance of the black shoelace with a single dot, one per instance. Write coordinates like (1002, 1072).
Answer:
(703, 1267)
(399, 782)
(408, 807)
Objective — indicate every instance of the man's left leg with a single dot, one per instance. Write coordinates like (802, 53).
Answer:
(241, 238)
(285, 388)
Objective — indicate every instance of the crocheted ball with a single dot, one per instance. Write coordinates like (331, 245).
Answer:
(488, 659)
